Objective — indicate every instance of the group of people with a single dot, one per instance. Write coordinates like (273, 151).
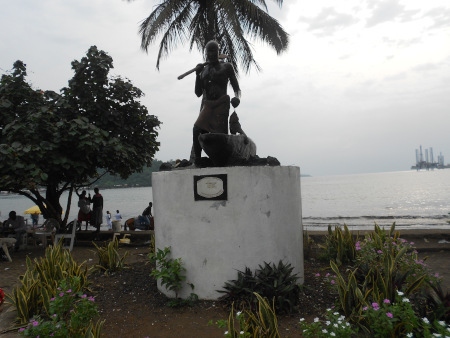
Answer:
(94, 217)
(85, 214)
(109, 221)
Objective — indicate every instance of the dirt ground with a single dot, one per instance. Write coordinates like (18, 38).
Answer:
(133, 307)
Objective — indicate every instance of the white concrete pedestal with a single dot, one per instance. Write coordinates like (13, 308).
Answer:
(259, 221)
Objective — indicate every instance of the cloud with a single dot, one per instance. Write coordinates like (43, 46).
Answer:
(328, 21)
(387, 11)
(439, 16)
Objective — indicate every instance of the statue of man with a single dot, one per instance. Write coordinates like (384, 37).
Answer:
(212, 82)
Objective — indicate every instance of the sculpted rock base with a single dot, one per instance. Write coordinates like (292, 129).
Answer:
(226, 150)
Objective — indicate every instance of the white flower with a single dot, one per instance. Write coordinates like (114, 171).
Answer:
(335, 325)
(226, 332)
(335, 313)
(442, 323)
(400, 293)
(409, 335)
(332, 334)
(242, 332)
(324, 331)
(302, 319)
(327, 322)
(316, 320)
(437, 334)
(405, 300)
(238, 313)
(347, 324)
(425, 320)
(328, 310)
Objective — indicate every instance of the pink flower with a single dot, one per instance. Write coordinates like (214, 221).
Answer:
(317, 275)
(379, 252)
(332, 281)
(365, 308)
(35, 323)
(386, 301)
(69, 291)
(375, 306)
(61, 294)
(390, 315)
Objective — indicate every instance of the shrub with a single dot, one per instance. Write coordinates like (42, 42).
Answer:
(274, 282)
(70, 314)
(109, 257)
(261, 323)
(171, 273)
(40, 281)
(339, 245)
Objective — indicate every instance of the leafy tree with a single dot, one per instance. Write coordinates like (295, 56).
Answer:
(61, 142)
(226, 21)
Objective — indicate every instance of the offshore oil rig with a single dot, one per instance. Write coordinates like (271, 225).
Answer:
(427, 162)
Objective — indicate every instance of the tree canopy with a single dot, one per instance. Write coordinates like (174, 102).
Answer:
(52, 142)
(228, 22)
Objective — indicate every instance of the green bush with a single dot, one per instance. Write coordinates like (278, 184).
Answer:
(109, 257)
(40, 281)
(274, 282)
(171, 273)
(339, 245)
(70, 314)
(261, 323)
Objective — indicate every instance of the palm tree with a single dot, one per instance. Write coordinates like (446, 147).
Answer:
(226, 21)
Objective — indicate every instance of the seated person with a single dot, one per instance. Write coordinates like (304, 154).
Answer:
(18, 225)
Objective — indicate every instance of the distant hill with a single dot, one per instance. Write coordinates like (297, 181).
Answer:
(142, 179)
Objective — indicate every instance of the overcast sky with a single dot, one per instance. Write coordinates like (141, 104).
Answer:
(362, 85)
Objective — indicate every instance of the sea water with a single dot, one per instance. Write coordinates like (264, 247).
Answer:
(418, 199)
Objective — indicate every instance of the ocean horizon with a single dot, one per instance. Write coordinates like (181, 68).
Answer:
(411, 199)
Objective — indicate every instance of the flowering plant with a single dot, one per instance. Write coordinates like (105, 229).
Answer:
(2, 296)
(390, 318)
(335, 325)
(70, 315)
(398, 319)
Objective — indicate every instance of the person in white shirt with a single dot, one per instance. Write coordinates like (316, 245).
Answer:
(108, 220)
(118, 215)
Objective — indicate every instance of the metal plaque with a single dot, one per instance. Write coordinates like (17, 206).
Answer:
(210, 187)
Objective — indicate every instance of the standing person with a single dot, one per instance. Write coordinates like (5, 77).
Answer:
(84, 214)
(118, 215)
(35, 219)
(108, 220)
(19, 226)
(97, 210)
(212, 82)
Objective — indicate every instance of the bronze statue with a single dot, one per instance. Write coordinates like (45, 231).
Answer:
(211, 82)
(210, 132)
